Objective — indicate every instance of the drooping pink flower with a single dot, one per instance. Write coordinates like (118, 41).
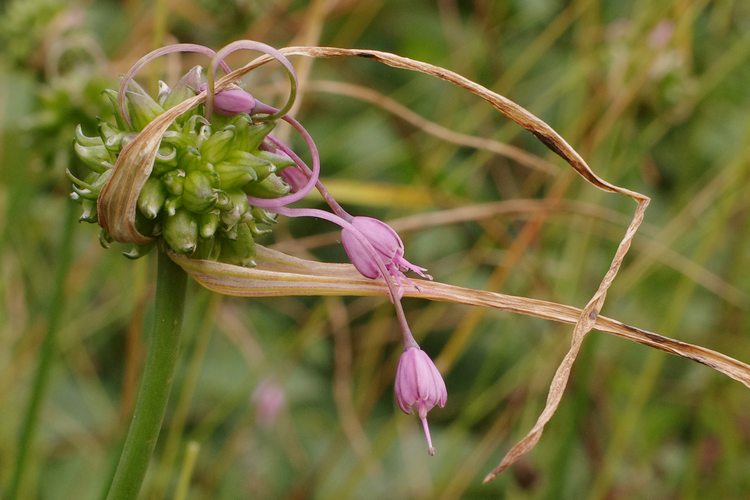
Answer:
(419, 387)
(386, 242)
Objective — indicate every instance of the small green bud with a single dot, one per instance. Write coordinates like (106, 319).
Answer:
(233, 175)
(280, 161)
(97, 158)
(262, 216)
(181, 232)
(249, 136)
(258, 230)
(209, 223)
(85, 140)
(166, 159)
(191, 160)
(198, 193)
(172, 204)
(234, 207)
(89, 211)
(270, 187)
(111, 137)
(177, 139)
(239, 251)
(141, 107)
(218, 146)
(111, 96)
(174, 181)
(152, 198)
(263, 168)
(204, 133)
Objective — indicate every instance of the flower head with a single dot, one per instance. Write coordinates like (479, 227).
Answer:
(419, 387)
(387, 244)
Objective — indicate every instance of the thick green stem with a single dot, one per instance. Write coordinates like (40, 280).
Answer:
(153, 392)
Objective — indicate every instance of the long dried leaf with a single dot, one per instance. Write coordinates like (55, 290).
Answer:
(279, 274)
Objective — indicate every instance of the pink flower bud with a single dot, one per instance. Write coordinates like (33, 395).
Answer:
(387, 244)
(419, 387)
(232, 101)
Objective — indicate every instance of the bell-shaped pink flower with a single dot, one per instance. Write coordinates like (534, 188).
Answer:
(387, 244)
(419, 387)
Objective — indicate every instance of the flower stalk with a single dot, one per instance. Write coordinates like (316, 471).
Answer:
(153, 392)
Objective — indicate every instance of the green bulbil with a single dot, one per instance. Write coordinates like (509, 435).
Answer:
(270, 187)
(233, 175)
(180, 140)
(174, 181)
(248, 135)
(235, 207)
(166, 160)
(89, 211)
(172, 204)
(152, 198)
(263, 168)
(191, 160)
(210, 223)
(111, 137)
(262, 216)
(141, 107)
(218, 145)
(241, 250)
(280, 161)
(181, 232)
(85, 140)
(111, 96)
(97, 158)
(198, 193)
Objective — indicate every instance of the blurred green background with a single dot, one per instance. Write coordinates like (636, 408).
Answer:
(654, 95)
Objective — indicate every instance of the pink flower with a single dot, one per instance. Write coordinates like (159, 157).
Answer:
(419, 387)
(232, 100)
(387, 244)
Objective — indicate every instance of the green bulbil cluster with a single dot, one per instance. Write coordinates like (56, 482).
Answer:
(195, 200)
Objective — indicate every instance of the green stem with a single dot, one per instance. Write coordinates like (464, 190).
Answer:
(153, 392)
(46, 355)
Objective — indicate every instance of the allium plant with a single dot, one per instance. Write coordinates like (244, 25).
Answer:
(218, 180)
(197, 173)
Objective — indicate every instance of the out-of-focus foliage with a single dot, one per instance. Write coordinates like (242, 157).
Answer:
(653, 95)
